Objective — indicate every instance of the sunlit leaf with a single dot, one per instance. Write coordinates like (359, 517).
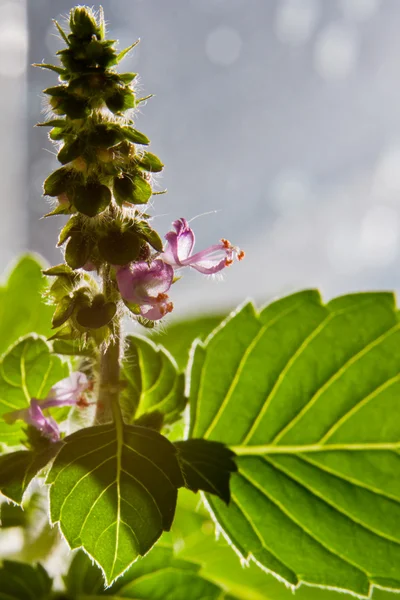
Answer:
(152, 382)
(27, 371)
(113, 491)
(307, 395)
(22, 308)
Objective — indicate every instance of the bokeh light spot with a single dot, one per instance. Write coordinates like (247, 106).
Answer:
(223, 46)
(295, 20)
(336, 51)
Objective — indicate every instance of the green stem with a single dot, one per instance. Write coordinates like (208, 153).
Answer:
(108, 407)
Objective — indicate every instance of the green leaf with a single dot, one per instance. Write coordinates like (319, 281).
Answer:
(302, 393)
(96, 316)
(113, 491)
(206, 466)
(78, 251)
(178, 337)
(27, 371)
(17, 469)
(91, 199)
(119, 247)
(126, 51)
(19, 581)
(22, 309)
(135, 136)
(150, 162)
(70, 151)
(152, 381)
(58, 70)
(157, 576)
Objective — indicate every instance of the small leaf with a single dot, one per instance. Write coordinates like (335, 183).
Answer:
(150, 235)
(19, 468)
(91, 199)
(27, 371)
(127, 78)
(58, 70)
(150, 162)
(52, 123)
(113, 491)
(134, 190)
(64, 310)
(120, 247)
(207, 466)
(135, 136)
(105, 136)
(61, 32)
(72, 226)
(19, 581)
(121, 100)
(152, 381)
(142, 191)
(58, 181)
(78, 251)
(94, 317)
(302, 392)
(70, 151)
(126, 51)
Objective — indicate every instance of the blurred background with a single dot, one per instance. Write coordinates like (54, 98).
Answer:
(282, 116)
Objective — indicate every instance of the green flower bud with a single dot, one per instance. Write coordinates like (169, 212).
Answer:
(83, 24)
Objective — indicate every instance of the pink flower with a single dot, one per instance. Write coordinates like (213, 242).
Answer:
(178, 252)
(146, 285)
(66, 392)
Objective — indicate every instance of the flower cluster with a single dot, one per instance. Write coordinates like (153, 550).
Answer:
(145, 284)
(67, 392)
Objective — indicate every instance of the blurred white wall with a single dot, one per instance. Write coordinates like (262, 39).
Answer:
(13, 128)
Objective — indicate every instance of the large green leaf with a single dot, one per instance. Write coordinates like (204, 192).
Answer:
(307, 396)
(22, 308)
(27, 371)
(157, 576)
(113, 491)
(152, 382)
(178, 337)
(19, 581)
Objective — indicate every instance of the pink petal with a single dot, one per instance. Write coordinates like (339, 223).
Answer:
(140, 282)
(68, 391)
(180, 242)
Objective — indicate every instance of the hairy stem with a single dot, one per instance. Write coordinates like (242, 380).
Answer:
(108, 407)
